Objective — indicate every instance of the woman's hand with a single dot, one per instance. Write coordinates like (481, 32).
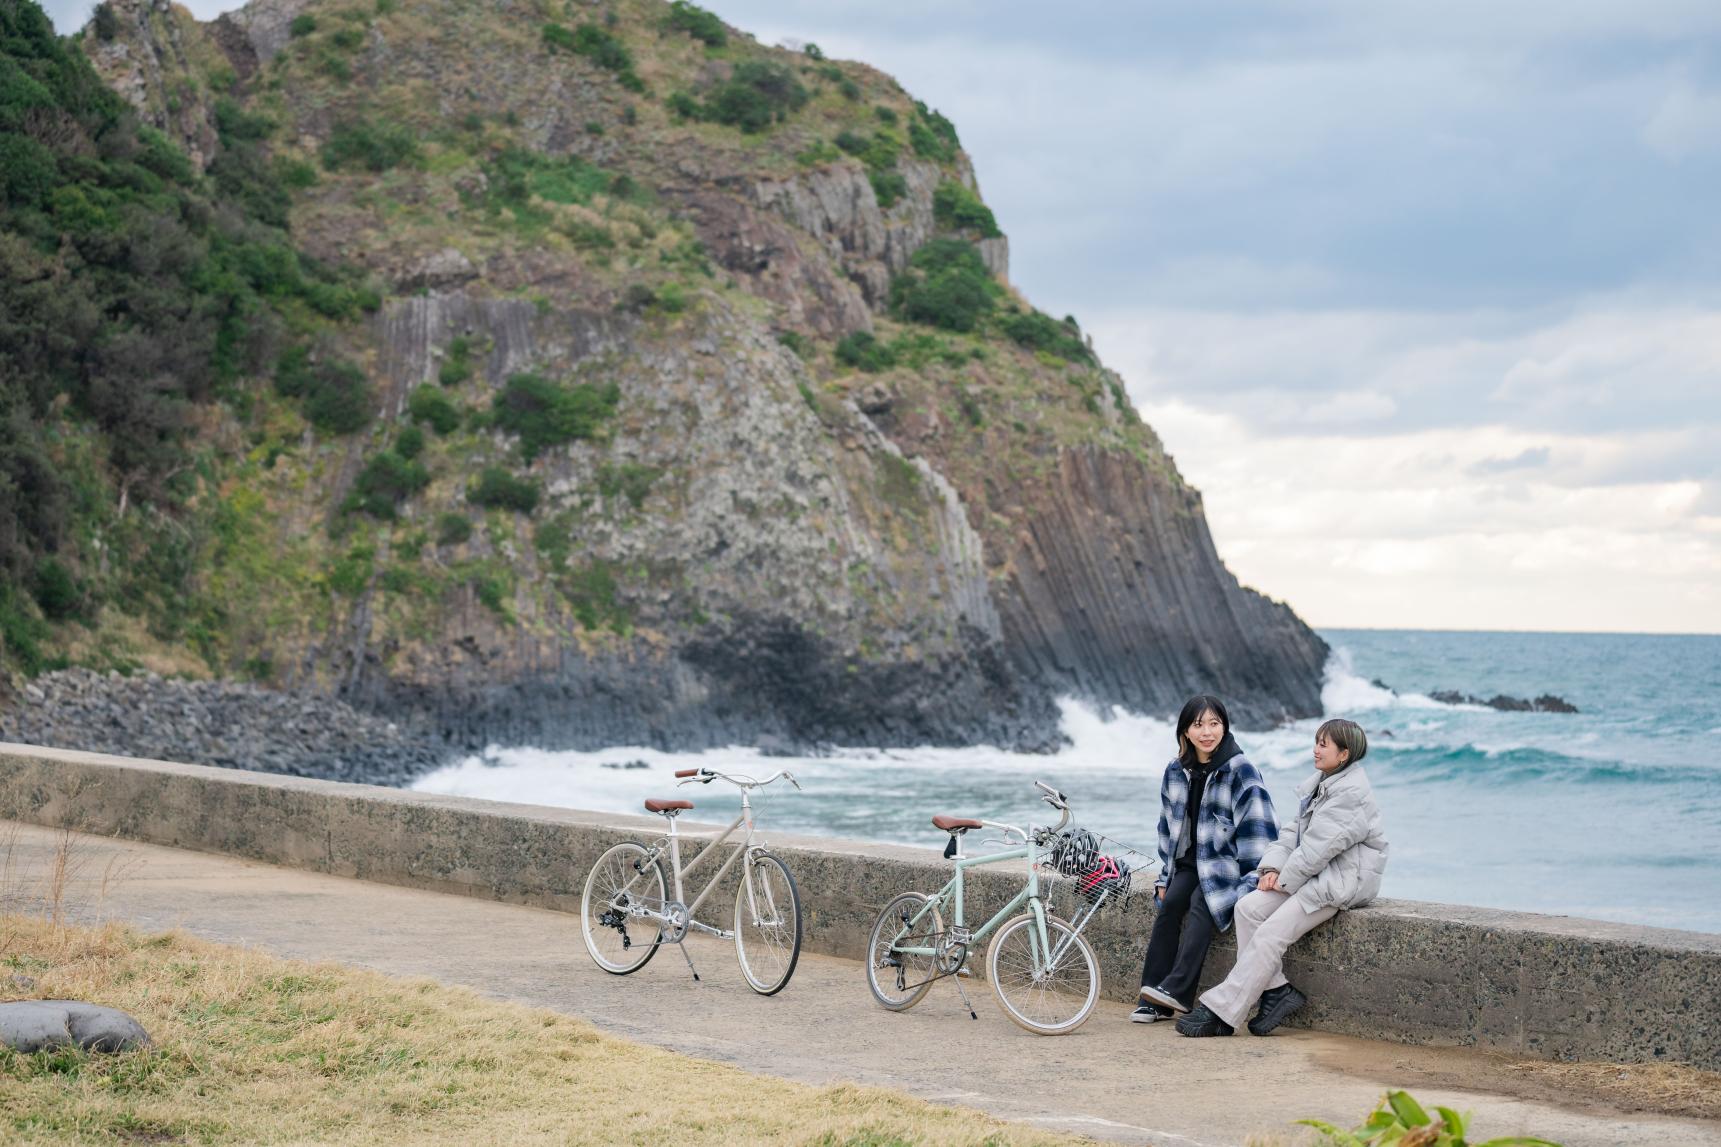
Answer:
(1269, 881)
(1159, 894)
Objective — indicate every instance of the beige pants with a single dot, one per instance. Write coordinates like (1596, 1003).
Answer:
(1267, 924)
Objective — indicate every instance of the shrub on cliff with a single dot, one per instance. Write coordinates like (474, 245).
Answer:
(888, 187)
(932, 135)
(544, 413)
(498, 489)
(452, 529)
(599, 45)
(959, 209)
(879, 152)
(946, 285)
(757, 94)
(336, 393)
(1039, 331)
(863, 351)
(58, 592)
(387, 480)
(698, 23)
(431, 406)
(374, 147)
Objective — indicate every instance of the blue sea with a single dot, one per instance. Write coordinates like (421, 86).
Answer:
(1612, 813)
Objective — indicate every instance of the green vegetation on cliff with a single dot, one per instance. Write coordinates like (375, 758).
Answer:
(135, 293)
(576, 332)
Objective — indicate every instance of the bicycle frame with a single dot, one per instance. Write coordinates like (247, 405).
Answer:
(710, 850)
(1040, 950)
(1030, 895)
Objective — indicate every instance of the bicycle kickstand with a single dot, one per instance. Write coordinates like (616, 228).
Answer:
(958, 982)
(689, 960)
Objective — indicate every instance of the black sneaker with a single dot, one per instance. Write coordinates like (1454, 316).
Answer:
(1277, 1005)
(1202, 1021)
(1146, 1013)
(1163, 998)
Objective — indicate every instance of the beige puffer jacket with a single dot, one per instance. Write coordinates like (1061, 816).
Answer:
(1335, 852)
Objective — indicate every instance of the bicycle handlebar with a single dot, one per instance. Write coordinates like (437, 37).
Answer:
(1052, 796)
(705, 776)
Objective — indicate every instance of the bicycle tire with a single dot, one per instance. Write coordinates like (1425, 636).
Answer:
(776, 942)
(611, 870)
(1038, 1005)
(882, 940)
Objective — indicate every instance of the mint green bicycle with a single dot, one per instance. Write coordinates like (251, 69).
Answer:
(1044, 973)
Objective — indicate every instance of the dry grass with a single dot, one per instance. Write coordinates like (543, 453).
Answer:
(254, 1049)
(1670, 1088)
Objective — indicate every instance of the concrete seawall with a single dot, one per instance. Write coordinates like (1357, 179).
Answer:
(1542, 986)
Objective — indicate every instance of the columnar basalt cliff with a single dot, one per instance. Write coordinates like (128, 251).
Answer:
(641, 382)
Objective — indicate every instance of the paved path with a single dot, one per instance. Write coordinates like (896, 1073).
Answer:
(1111, 1080)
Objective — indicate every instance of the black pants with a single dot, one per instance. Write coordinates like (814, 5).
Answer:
(1182, 931)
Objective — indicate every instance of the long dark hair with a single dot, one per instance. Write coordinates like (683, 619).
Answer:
(1193, 710)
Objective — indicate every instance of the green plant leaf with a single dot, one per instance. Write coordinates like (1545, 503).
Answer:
(1455, 1123)
(1409, 1111)
(1378, 1120)
(1337, 1135)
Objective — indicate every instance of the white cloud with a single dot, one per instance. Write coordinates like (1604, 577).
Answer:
(1414, 529)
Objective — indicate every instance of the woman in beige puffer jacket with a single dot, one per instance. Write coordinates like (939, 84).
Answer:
(1332, 857)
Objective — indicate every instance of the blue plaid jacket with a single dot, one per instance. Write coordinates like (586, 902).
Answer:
(1234, 827)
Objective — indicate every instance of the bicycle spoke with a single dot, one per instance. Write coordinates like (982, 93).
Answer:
(899, 979)
(1047, 995)
(624, 883)
(767, 924)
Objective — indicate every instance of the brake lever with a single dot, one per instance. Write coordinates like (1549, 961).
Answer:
(790, 777)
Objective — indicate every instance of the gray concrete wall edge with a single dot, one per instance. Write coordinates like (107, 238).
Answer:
(1540, 986)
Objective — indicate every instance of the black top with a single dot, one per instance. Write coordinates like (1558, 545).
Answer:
(1198, 774)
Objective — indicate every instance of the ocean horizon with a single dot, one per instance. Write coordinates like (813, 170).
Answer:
(1610, 813)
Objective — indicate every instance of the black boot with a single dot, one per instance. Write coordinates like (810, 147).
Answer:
(1277, 1005)
(1202, 1022)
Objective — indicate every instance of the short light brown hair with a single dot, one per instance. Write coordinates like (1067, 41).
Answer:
(1347, 735)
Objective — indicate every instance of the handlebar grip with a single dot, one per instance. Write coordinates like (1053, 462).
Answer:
(687, 772)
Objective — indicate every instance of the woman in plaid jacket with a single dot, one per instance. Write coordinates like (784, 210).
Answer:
(1215, 822)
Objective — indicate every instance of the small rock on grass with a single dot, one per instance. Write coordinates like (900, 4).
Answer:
(37, 1025)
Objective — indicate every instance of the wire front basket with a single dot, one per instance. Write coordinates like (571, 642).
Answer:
(1098, 869)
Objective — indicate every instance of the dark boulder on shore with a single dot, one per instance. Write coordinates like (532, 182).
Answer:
(217, 723)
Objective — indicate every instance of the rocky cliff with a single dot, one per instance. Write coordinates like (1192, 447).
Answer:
(693, 406)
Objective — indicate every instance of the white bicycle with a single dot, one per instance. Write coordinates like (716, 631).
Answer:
(626, 913)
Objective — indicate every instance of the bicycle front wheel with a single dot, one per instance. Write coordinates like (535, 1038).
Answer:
(899, 979)
(1048, 990)
(767, 924)
(624, 878)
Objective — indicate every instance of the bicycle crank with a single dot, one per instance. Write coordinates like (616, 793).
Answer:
(675, 922)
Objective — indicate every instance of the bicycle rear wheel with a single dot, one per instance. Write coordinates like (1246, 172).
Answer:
(1049, 996)
(900, 979)
(625, 877)
(767, 924)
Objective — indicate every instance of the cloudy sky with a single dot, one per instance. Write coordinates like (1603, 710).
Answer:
(1425, 298)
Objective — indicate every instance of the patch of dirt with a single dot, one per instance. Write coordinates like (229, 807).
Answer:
(1658, 1088)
